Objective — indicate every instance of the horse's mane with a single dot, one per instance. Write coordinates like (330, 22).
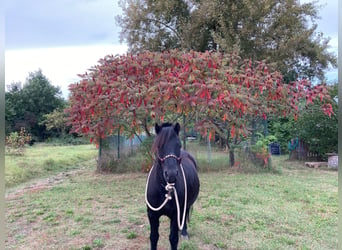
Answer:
(163, 136)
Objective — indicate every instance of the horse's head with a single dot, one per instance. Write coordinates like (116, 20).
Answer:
(167, 147)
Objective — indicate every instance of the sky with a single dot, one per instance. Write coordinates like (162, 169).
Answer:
(66, 37)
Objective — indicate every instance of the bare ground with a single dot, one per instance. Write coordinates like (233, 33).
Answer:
(42, 184)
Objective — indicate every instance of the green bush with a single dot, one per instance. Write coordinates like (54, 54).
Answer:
(145, 151)
(260, 149)
(67, 139)
(15, 142)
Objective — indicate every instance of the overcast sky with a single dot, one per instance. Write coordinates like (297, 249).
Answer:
(66, 37)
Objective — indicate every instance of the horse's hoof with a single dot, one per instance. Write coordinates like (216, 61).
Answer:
(184, 237)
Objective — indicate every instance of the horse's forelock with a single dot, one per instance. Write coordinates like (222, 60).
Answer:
(164, 135)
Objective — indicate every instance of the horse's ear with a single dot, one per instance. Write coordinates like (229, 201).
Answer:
(157, 128)
(177, 128)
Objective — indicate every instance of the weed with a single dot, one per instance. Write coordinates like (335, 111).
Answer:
(79, 218)
(75, 232)
(187, 245)
(50, 217)
(98, 242)
(220, 245)
(131, 235)
(110, 222)
(49, 164)
(40, 212)
(69, 212)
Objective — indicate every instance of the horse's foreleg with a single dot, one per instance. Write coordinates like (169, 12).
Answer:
(184, 233)
(154, 234)
(173, 233)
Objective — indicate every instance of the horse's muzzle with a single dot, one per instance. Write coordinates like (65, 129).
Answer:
(171, 176)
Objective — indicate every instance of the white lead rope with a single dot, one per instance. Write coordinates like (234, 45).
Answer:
(168, 197)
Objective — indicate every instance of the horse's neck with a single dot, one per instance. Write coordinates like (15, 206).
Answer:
(185, 154)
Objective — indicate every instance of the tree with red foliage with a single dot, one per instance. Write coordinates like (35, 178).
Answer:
(131, 92)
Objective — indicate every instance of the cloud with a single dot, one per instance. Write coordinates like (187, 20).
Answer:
(41, 23)
(66, 37)
(60, 65)
(328, 22)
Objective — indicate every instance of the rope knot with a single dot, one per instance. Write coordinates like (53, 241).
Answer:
(169, 187)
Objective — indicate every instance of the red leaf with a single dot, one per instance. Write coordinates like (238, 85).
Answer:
(209, 64)
(232, 131)
(139, 103)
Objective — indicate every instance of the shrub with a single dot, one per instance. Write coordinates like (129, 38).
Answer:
(260, 149)
(15, 142)
(145, 150)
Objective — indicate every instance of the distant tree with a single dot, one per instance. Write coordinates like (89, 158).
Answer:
(272, 30)
(26, 106)
(14, 109)
(318, 130)
(313, 126)
(56, 120)
(284, 129)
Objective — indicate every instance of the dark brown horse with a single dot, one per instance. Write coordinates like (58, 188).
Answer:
(172, 185)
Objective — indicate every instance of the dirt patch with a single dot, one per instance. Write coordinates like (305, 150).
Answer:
(42, 184)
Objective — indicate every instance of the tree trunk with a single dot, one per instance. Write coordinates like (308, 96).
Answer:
(231, 157)
(146, 129)
(232, 153)
(184, 133)
(253, 139)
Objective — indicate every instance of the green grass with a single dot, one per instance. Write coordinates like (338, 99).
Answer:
(42, 160)
(296, 209)
(264, 211)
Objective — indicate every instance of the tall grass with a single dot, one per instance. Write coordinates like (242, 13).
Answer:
(141, 160)
(42, 160)
(45, 159)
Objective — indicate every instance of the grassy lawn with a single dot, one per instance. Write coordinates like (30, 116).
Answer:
(42, 160)
(296, 209)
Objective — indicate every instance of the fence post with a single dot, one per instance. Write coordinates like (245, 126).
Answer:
(184, 133)
(99, 161)
(209, 148)
(118, 143)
